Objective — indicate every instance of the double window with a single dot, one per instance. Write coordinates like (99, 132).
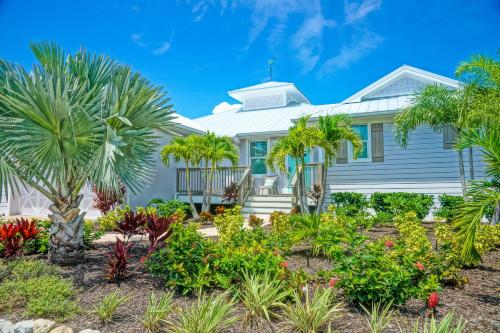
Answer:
(364, 132)
(258, 154)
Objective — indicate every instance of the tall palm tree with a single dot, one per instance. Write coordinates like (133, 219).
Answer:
(73, 120)
(335, 129)
(184, 150)
(299, 140)
(435, 106)
(216, 149)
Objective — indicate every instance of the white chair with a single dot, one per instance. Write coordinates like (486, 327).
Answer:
(270, 185)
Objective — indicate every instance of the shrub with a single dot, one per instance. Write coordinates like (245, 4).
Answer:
(449, 205)
(184, 264)
(349, 203)
(261, 295)
(206, 315)
(109, 221)
(280, 222)
(118, 261)
(395, 203)
(104, 201)
(156, 311)
(230, 193)
(131, 224)
(312, 314)
(14, 236)
(206, 217)
(168, 208)
(413, 236)
(254, 221)
(158, 229)
(107, 307)
(229, 224)
(90, 233)
(35, 289)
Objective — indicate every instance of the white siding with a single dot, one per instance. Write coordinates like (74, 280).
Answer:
(424, 167)
(4, 205)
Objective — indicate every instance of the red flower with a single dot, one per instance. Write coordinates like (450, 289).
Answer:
(284, 264)
(433, 300)
(333, 281)
(420, 266)
(389, 243)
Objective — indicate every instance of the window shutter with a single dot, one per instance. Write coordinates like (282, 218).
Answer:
(341, 157)
(449, 137)
(377, 142)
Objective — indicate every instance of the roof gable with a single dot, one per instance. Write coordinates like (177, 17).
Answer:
(403, 81)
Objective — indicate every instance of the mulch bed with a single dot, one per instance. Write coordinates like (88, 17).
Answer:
(478, 302)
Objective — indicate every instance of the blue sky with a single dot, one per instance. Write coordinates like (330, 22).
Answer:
(199, 49)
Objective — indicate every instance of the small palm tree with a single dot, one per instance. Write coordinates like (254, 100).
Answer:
(184, 150)
(335, 129)
(74, 120)
(299, 140)
(214, 150)
(306, 228)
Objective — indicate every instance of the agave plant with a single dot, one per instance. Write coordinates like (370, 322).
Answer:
(312, 314)
(206, 315)
(261, 295)
(74, 120)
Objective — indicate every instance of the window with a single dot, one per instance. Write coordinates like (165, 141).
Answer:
(258, 154)
(363, 131)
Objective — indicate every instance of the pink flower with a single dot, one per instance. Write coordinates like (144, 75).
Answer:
(420, 266)
(333, 281)
(284, 264)
(433, 300)
(389, 243)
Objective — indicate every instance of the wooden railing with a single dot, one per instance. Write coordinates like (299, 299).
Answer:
(244, 187)
(313, 175)
(222, 178)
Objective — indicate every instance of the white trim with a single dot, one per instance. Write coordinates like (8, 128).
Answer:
(368, 159)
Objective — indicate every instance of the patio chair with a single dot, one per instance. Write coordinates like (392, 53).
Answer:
(270, 185)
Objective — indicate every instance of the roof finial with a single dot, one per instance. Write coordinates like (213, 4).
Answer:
(270, 63)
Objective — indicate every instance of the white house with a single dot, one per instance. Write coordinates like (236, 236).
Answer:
(266, 111)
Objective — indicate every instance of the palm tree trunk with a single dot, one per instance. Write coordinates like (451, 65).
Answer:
(471, 163)
(66, 233)
(321, 201)
(461, 170)
(496, 214)
(205, 184)
(210, 187)
(190, 195)
(303, 194)
(299, 186)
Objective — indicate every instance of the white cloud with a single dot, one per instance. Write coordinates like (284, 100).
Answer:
(357, 11)
(137, 39)
(162, 49)
(351, 53)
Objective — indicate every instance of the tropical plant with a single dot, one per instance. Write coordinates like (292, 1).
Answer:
(206, 315)
(254, 221)
(185, 150)
(74, 120)
(306, 229)
(229, 224)
(132, 224)
(378, 318)
(299, 140)
(481, 195)
(261, 295)
(118, 261)
(449, 206)
(335, 130)
(230, 193)
(214, 150)
(14, 236)
(168, 208)
(315, 193)
(157, 229)
(107, 307)
(157, 311)
(105, 200)
(314, 313)
(445, 325)
(388, 205)
(349, 203)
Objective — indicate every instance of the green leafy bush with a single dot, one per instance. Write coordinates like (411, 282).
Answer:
(35, 289)
(388, 205)
(449, 205)
(109, 221)
(229, 224)
(167, 208)
(349, 203)
(184, 263)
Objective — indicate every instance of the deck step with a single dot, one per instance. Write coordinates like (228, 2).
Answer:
(270, 198)
(267, 204)
(261, 210)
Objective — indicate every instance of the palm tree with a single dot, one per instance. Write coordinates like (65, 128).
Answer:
(481, 195)
(214, 150)
(300, 138)
(306, 228)
(74, 120)
(335, 129)
(184, 150)
(435, 106)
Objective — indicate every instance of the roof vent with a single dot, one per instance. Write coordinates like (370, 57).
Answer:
(264, 101)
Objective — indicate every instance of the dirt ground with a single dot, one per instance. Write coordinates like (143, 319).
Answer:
(478, 302)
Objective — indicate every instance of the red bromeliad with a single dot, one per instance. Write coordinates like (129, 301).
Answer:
(389, 243)
(333, 282)
(284, 264)
(433, 300)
